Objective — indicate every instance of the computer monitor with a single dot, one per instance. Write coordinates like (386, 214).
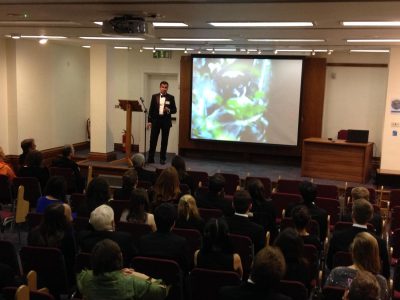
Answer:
(357, 136)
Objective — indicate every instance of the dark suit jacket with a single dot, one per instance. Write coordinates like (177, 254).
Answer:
(341, 241)
(247, 291)
(164, 245)
(87, 239)
(64, 162)
(154, 115)
(146, 175)
(243, 226)
(214, 201)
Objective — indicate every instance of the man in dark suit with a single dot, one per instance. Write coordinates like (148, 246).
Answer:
(162, 106)
(239, 223)
(163, 243)
(268, 269)
(102, 221)
(341, 240)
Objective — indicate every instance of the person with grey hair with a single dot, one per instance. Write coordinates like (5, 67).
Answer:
(143, 174)
(64, 160)
(103, 224)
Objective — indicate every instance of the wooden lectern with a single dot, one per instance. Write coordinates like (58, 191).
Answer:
(129, 106)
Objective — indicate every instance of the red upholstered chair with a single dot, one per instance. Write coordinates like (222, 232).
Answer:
(232, 181)
(69, 176)
(9, 256)
(294, 289)
(209, 213)
(199, 177)
(34, 219)
(243, 246)
(193, 241)
(332, 207)
(281, 201)
(205, 284)
(342, 134)
(118, 207)
(288, 186)
(32, 190)
(265, 181)
(327, 191)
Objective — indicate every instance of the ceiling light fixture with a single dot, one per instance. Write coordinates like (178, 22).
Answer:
(168, 48)
(43, 41)
(169, 24)
(185, 51)
(294, 50)
(15, 36)
(154, 49)
(373, 41)
(141, 50)
(195, 40)
(111, 38)
(49, 37)
(369, 51)
(261, 24)
(121, 47)
(98, 23)
(288, 40)
(221, 49)
(86, 46)
(372, 23)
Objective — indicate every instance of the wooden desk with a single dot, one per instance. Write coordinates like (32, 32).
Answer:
(337, 160)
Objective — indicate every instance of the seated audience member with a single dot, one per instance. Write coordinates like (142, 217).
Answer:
(365, 254)
(33, 168)
(65, 161)
(166, 188)
(103, 224)
(262, 208)
(27, 145)
(239, 223)
(308, 191)
(363, 287)
(109, 280)
(5, 168)
(179, 164)
(137, 212)
(138, 161)
(188, 214)
(97, 193)
(163, 243)
(215, 198)
(216, 251)
(361, 192)
(56, 231)
(341, 240)
(129, 182)
(54, 192)
(292, 247)
(268, 269)
(301, 219)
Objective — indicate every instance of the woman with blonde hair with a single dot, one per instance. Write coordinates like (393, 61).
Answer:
(166, 188)
(365, 254)
(188, 214)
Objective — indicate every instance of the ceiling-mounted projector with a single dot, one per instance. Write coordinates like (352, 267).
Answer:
(125, 25)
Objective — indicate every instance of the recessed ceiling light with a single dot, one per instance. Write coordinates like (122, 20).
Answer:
(49, 37)
(111, 38)
(169, 24)
(261, 24)
(121, 47)
(98, 23)
(195, 40)
(369, 51)
(287, 40)
(86, 46)
(221, 49)
(168, 48)
(293, 50)
(373, 41)
(43, 41)
(371, 23)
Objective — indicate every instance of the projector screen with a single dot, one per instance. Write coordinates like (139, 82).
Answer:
(241, 99)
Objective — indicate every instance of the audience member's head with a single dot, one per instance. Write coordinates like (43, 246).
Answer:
(164, 216)
(97, 193)
(106, 257)
(102, 218)
(308, 191)
(269, 267)
(179, 164)
(365, 253)
(138, 160)
(129, 179)
(34, 158)
(362, 211)
(359, 192)
(216, 183)
(28, 145)
(68, 151)
(301, 217)
(187, 208)
(56, 187)
(139, 202)
(364, 286)
(166, 187)
(216, 237)
(54, 223)
(291, 245)
(256, 189)
(242, 202)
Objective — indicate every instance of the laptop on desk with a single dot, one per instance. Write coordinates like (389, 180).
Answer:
(357, 136)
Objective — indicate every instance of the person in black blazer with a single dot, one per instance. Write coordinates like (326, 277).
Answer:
(163, 243)
(240, 224)
(162, 106)
(341, 240)
(268, 269)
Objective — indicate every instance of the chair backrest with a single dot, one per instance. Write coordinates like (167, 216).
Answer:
(22, 207)
(50, 267)
(205, 284)
(313, 226)
(193, 241)
(266, 183)
(32, 189)
(281, 201)
(209, 213)
(9, 256)
(34, 219)
(243, 246)
(312, 255)
(81, 223)
(327, 191)
(144, 184)
(118, 206)
(69, 176)
(185, 189)
(76, 201)
(137, 230)
(342, 259)
(5, 190)
(199, 177)
(332, 207)
(294, 289)
(232, 181)
(82, 261)
(332, 292)
(289, 186)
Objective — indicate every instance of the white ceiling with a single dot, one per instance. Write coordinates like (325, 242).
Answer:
(75, 18)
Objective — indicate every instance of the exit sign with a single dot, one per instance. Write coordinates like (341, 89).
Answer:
(162, 54)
